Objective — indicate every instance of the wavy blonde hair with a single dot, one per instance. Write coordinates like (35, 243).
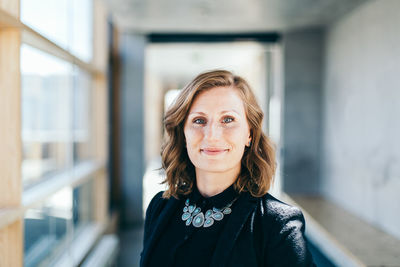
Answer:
(258, 161)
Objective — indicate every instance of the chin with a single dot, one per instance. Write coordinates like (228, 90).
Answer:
(220, 167)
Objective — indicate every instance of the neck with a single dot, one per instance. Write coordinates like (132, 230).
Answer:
(212, 183)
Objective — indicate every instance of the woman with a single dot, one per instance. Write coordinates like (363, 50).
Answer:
(219, 167)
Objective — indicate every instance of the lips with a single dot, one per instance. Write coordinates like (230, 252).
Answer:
(213, 151)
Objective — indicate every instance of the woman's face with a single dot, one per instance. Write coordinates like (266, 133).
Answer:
(216, 130)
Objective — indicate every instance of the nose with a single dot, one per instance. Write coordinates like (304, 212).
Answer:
(212, 131)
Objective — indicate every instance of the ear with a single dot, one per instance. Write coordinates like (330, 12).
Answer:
(248, 143)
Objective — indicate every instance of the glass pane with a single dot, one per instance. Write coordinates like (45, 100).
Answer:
(81, 112)
(82, 33)
(50, 229)
(46, 229)
(83, 204)
(46, 105)
(48, 17)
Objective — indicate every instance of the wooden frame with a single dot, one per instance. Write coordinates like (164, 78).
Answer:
(11, 7)
(100, 61)
(11, 236)
(14, 202)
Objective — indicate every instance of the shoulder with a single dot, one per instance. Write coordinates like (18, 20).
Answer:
(155, 203)
(156, 198)
(285, 224)
(278, 210)
(282, 219)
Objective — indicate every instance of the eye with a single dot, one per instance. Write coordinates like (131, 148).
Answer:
(228, 120)
(199, 121)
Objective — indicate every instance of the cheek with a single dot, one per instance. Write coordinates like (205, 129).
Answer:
(236, 136)
(192, 136)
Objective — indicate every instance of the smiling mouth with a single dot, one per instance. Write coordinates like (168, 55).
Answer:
(212, 151)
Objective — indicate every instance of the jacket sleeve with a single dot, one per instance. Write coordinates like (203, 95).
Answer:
(287, 245)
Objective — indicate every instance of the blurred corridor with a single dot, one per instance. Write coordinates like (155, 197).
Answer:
(84, 86)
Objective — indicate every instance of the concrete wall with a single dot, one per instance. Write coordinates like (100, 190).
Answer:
(361, 107)
(303, 54)
(132, 127)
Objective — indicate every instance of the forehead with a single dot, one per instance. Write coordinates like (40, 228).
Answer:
(218, 98)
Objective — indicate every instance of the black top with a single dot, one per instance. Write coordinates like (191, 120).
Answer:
(186, 245)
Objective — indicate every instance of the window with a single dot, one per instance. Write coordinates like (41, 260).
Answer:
(46, 83)
(56, 110)
(68, 23)
(53, 169)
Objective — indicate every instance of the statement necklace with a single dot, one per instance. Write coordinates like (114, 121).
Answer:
(194, 215)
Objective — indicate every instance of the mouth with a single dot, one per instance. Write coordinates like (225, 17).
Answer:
(213, 151)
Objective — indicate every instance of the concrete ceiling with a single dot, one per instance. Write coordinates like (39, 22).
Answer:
(226, 15)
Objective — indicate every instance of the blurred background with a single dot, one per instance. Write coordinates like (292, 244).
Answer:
(84, 86)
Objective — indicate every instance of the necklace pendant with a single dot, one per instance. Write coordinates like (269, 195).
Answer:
(227, 211)
(196, 211)
(218, 216)
(208, 222)
(198, 220)
(208, 213)
(186, 216)
(215, 209)
(191, 208)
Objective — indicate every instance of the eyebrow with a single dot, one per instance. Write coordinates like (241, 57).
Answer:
(222, 112)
